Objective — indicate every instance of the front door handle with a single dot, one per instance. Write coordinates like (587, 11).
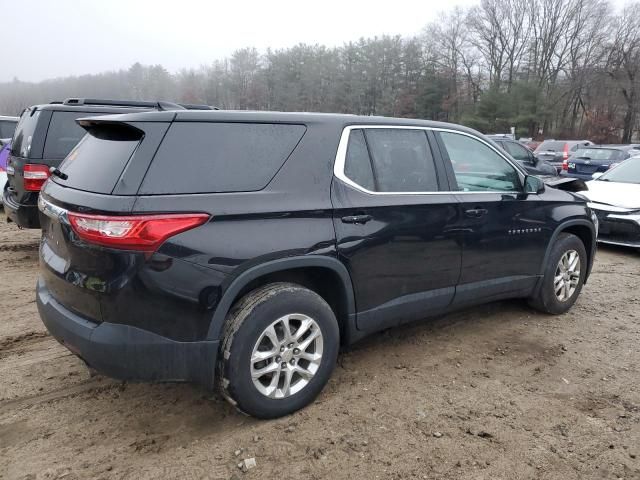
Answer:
(359, 219)
(476, 212)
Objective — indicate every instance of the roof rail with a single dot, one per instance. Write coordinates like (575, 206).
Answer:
(160, 105)
(194, 106)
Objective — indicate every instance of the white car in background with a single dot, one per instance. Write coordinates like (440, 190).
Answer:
(615, 198)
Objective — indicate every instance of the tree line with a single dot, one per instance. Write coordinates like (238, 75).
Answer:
(550, 68)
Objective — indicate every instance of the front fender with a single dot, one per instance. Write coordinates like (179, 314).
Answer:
(564, 226)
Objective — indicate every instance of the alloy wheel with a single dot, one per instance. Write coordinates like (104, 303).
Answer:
(567, 276)
(286, 356)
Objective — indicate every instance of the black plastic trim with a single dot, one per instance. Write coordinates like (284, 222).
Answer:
(253, 273)
(125, 352)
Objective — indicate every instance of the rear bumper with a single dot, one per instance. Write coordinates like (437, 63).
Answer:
(125, 352)
(25, 216)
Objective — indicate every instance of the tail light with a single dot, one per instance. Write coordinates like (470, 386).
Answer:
(137, 232)
(34, 176)
(565, 165)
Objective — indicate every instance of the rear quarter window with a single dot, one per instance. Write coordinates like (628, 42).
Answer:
(198, 157)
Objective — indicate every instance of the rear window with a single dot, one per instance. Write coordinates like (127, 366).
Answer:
(7, 128)
(23, 136)
(63, 134)
(219, 157)
(551, 146)
(96, 163)
(599, 154)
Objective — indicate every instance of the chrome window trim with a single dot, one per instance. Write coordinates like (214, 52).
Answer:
(341, 156)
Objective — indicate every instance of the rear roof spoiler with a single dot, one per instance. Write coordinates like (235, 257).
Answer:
(159, 105)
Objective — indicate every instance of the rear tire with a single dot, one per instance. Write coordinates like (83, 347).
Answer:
(563, 276)
(279, 349)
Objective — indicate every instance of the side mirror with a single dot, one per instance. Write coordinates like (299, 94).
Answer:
(533, 185)
(597, 175)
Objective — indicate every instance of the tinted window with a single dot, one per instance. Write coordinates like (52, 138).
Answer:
(220, 157)
(96, 163)
(551, 146)
(63, 134)
(23, 136)
(478, 167)
(402, 160)
(357, 165)
(599, 154)
(517, 151)
(7, 128)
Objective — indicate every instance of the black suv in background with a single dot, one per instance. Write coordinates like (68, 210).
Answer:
(248, 246)
(531, 163)
(45, 134)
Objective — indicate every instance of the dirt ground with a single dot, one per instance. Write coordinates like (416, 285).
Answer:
(498, 392)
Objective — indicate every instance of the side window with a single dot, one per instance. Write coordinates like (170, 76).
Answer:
(477, 167)
(203, 157)
(517, 151)
(63, 134)
(402, 160)
(357, 165)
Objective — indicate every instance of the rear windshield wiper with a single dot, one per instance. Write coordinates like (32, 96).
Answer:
(58, 173)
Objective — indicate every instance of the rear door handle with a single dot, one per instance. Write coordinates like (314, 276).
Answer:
(476, 212)
(356, 219)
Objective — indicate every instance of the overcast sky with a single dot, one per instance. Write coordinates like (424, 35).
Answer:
(54, 38)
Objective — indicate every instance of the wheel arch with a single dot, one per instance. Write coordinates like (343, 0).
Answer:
(327, 276)
(581, 228)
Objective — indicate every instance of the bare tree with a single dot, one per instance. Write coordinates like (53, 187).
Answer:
(623, 64)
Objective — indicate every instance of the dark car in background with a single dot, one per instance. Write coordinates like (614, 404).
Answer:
(531, 163)
(597, 159)
(7, 126)
(245, 248)
(557, 152)
(43, 137)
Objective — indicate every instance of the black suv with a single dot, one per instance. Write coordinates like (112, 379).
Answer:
(531, 163)
(45, 134)
(248, 246)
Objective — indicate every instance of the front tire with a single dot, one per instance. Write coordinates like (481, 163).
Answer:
(279, 349)
(563, 277)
